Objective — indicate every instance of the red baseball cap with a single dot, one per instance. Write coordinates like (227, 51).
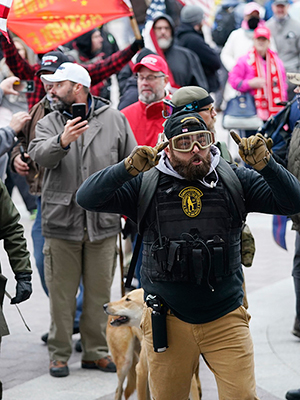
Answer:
(262, 32)
(153, 62)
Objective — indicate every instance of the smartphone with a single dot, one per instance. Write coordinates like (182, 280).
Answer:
(78, 110)
(23, 158)
(24, 86)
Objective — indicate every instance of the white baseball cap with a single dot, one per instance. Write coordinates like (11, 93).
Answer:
(69, 71)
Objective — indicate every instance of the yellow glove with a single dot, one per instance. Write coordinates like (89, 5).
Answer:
(143, 158)
(254, 150)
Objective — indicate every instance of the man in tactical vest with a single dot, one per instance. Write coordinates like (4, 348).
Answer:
(195, 98)
(191, 271)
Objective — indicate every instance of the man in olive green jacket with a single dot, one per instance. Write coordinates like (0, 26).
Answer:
(12, 232)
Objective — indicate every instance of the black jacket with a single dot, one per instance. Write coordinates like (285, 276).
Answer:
(188, 37)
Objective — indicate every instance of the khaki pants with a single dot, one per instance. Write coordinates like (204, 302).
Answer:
(66, 262)
(225, 345)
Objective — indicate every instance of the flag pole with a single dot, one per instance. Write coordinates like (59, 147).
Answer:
(135, 27)
(133, 21)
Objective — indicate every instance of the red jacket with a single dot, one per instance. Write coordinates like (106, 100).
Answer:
(145, 121)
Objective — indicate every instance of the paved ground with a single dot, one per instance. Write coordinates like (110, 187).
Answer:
(24, 358)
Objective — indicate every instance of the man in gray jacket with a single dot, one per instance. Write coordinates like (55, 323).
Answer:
(78, 244)
(286, 32)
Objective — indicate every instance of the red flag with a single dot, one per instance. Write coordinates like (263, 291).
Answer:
(46, 24)
(4, 10)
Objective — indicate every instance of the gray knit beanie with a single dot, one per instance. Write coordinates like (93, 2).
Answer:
(192, 15)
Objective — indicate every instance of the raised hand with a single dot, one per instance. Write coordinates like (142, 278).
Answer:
(254, 150)
(142, 158)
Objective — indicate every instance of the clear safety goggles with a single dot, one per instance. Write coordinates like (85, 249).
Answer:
(186, 142)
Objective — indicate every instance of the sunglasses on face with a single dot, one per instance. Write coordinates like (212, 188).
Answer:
(186, 142)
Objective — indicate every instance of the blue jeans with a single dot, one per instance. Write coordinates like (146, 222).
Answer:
(38, 244)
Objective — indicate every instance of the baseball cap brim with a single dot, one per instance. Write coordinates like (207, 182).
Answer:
(138, 66)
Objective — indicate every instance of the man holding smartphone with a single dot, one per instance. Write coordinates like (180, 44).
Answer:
(78, 244)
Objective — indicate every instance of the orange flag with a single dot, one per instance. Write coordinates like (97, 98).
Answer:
(46, 24)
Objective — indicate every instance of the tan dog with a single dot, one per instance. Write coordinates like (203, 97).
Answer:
(125, 341)
(124, 338)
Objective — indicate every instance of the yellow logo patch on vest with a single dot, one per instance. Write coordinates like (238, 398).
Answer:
(191, 201)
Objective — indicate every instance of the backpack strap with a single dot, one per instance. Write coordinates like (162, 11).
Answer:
(147, 190)
(222, 146)
(233, 185)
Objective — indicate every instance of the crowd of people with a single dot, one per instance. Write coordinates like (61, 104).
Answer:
(81, 177)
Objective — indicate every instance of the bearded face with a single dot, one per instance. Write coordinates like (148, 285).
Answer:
(164, 43)
(196, 167)
(64, 101)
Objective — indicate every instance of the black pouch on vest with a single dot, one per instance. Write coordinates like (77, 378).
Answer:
(197, 260)
(217, 250)
(179, 256)
(160, 255)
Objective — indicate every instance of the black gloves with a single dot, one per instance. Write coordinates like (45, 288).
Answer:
(23, 288)
(138, 44)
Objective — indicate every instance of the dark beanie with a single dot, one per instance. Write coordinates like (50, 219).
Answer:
(183, 122)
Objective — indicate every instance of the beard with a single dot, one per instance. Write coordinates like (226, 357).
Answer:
(164, 44)
(147, 98)
(59, 105)
(187, 169)
(63, 103)
(211, 126)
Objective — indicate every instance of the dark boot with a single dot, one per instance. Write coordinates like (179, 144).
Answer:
(296, 329)
(293, 395)
(58, 369)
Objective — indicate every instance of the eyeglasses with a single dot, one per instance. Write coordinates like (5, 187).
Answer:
(186, 142)
(169, 108)
(210, 109)
(149, 78)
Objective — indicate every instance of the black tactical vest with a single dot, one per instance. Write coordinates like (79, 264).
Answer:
(190, 233)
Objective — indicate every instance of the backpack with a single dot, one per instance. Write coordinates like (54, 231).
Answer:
(223, 25)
